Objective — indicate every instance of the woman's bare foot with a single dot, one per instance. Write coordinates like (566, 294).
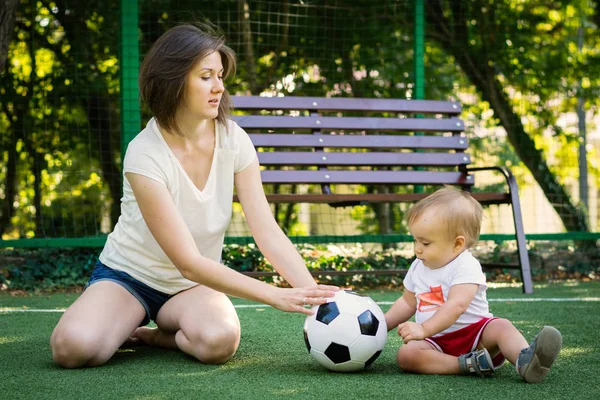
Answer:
(152, 337)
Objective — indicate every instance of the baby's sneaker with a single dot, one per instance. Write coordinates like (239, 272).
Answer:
(476, 362)
(534, 361)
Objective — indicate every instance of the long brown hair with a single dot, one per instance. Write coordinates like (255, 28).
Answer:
(165, 68)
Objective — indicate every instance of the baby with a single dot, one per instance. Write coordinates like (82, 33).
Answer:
(445, 289)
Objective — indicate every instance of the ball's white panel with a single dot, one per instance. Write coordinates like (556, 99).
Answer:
(344, 329)
(350, 366)
(310, 318)
(381, 335)
(322, 359)
(363, 348)
(350, 303)
(319, 335)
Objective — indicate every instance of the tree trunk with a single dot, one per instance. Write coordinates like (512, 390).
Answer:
(98, 113)
(10, 190)
(283, 36)
(8, 13)
(244, 12)
(38, 165)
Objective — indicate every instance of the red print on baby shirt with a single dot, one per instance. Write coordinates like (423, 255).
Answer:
(431, 301)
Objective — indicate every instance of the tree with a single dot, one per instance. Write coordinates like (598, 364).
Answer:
(497, 54)
(42, 106)
(8, 12)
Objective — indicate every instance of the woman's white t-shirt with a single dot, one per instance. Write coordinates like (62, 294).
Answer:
(431, 287)
(207, 213)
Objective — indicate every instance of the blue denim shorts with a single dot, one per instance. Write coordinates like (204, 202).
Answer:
(151, 299)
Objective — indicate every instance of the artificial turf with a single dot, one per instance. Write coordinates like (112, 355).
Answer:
(272, 361)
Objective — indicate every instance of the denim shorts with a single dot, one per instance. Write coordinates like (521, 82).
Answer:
(151, 299)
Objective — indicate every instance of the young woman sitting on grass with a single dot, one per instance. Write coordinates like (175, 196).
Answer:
(162, 261)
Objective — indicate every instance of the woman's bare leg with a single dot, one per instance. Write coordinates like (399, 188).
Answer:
(200, 322)
(93, 328)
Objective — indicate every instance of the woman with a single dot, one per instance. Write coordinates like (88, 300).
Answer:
(161, 262)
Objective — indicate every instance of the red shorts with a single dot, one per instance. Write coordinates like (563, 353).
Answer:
(464, 341)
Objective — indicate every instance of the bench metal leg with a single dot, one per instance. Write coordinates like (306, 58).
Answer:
(513, 190)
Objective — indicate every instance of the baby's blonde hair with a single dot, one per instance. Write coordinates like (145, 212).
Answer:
(457, 209)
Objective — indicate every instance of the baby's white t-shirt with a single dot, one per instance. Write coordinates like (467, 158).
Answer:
(131, 247)
(431, 287)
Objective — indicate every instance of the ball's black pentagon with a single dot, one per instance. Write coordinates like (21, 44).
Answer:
(338, 353)
(373, 358)
(306, 342)
(368, 323)
(327, 312)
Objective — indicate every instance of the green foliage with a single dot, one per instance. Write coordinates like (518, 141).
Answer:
(46, 269)
(69, 269)
(548, 261)
(58, 269)
(59, 114)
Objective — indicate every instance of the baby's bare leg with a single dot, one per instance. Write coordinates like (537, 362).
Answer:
(93, 328)
(420, 357)
(500, 335)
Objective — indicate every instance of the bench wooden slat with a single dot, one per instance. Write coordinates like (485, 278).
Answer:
(351, 123)
(346, 104)
(367, 177)
(359, 141)
(484, 198)
(362, 158)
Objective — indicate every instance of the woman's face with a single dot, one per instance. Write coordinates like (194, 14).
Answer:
(204, 88)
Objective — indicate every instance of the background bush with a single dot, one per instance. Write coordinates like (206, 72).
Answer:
(68, 269)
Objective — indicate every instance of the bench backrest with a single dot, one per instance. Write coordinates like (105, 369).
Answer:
(311, 140)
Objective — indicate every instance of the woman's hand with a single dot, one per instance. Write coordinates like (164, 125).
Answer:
(294, 299)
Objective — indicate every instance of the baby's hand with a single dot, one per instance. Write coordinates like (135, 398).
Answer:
(411, 331)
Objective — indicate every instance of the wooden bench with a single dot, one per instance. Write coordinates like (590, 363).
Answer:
(380, 143)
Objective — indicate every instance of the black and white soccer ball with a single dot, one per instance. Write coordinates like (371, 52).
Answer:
(346, 334)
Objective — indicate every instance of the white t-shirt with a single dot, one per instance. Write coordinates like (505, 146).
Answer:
(431, 287)
(207, 213)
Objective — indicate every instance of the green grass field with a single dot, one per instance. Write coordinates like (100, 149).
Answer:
(272, 361)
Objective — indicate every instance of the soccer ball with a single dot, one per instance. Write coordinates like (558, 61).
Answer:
(346, 334)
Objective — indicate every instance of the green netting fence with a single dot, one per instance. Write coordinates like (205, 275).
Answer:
(527, 77)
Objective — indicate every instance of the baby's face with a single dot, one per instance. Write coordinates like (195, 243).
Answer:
(433, 245)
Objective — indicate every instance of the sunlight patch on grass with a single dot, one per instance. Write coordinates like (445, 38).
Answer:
(572, 282)
(575, 351)
(246, 361)
(287, 392)
(494, 285)
(195, 374)
(8, 339)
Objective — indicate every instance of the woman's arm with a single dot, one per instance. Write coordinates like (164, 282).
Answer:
(272, 242)
(171, 233)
